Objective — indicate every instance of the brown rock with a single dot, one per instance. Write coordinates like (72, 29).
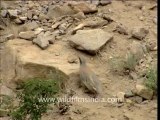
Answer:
(90, 40)
(144, 92)
(28, 35)
(139, 33)
(83, 7)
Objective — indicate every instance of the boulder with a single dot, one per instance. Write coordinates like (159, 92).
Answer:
(28, 35)
(22, 60)
(83, 7)
(90, 40)
(144, 92)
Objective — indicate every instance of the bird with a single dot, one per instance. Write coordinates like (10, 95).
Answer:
(89, 79)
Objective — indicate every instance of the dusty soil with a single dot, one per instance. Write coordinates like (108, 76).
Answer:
(130, 15)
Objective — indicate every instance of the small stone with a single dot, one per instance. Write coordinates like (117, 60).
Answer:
(152, 46)
(42, 16)
(13, 13)
(138, 99)
(35, 17)
(31, 4)
(32, 25)
(23, 18)
(122, 29)
(128, 94)
(105, 2)
(141, 18)
(17, 21)
(57, 54)
(43, 40)
(139, 33)
(129, 101)
(42, 43)
(4, 13)
(1, 27)
(79, 15)
(72, 59)
(29, 14)
(6, 38)
(107, 17)
(155, 20)
(38, 30)
(95, 2)
(28, 35)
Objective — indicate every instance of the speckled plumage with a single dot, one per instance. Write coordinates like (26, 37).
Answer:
(88, 78)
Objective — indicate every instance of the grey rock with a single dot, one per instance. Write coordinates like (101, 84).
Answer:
(59, 11)
(137, 50)
(122, 29)
(72, 59)
(29, 14)
(155, 20)
(2, 27)
(32, 25)
(13, 13)
(42, 43)
(79, 15)
(23, 18)
(107, 17)
(83, 7)
(139, 33)
(138, 99)
(6, 37)
(90, 40)
(35, 17)
(28, 35)
(95, 2)
(128, 94)
(105, 2)
(43, 40)
(38, 30)
(42, 16)
(17, 21)
(4, 13)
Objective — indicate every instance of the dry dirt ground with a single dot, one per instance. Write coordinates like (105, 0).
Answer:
(130, 15)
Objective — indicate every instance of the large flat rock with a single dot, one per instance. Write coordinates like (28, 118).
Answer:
(21, 59)
(90, 40)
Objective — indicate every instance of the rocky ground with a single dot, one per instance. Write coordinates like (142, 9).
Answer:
(40, 35)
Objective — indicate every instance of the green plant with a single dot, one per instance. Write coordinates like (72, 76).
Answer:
(151, 79)
(123, 65)
(117, 64)
(130, 62)
(32, 90)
